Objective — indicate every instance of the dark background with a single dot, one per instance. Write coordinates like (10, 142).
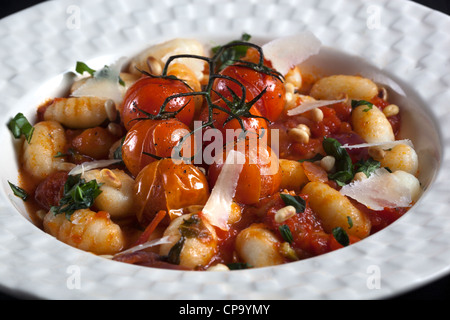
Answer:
(438, 290)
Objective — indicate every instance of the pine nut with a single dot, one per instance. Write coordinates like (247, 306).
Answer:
(316, 115)
(299, 135)
(383, 93)
(327, 163)
(377, 153)
(218, 267)
(359, 176)
(154, 66)
(110, 178)
(115, 129)
(391, 110)
(111, 111)
(305, 128)
(285, 213)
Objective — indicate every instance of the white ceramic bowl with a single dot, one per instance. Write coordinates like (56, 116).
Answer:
(398, 43)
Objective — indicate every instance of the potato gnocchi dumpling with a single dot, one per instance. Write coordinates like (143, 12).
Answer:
(193, 157)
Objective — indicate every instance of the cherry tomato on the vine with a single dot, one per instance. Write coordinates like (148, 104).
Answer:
(231, 129)
(168, 185)
(149, 94)
(272, 102)
(154, 137)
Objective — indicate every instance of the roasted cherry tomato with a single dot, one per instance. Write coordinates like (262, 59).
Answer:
(149, 94)
(171, 186)
(50, 191)
(270, 105)
(155, 137)
(254, 125)
(260, 176)
(94, 142)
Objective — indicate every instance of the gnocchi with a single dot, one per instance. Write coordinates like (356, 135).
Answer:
(39, 155)
(194, 237)
(77, 112)
(86, 230)
(336, 210)
(117, 197)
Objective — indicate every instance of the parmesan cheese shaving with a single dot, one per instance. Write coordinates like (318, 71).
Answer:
(310, 105)
(86, 166)
(289, 51)
(381, 190)
(219, 205)
(104, 84)
(385, 145)
(148, 244)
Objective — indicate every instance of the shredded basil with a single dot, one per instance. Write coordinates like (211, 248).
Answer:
(175, 252)
(344, 166)
(239, 266)
(296, 201)
(18, 192)
(286, 233)
(345, 169)
(82, 67)
(357, 103)
(78, 194)
(341, 236)
(350, 222)
(118, 152)
(230, 55)
(19, 125)
(367, 166)
(317, 157)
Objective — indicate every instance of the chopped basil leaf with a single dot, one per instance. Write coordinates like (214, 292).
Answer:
(193, 228)
(78, 194)
(357, 103)
(118, 152)
(19, 125)
(175, 252)
(230, 55)
(341, 236)
(345, 169)
(286, 233)
(367, 166)
(239, 266)
(317, 157)
(350, 222)
(18, 192)
(296, 201)
(59, 154)
(344, 166)
(121, 82)
(82, 67)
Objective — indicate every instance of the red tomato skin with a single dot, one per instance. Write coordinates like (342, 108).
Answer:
(149, 95)
(270, 105)
(251, 124)
(260, 176)
(156, 137)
